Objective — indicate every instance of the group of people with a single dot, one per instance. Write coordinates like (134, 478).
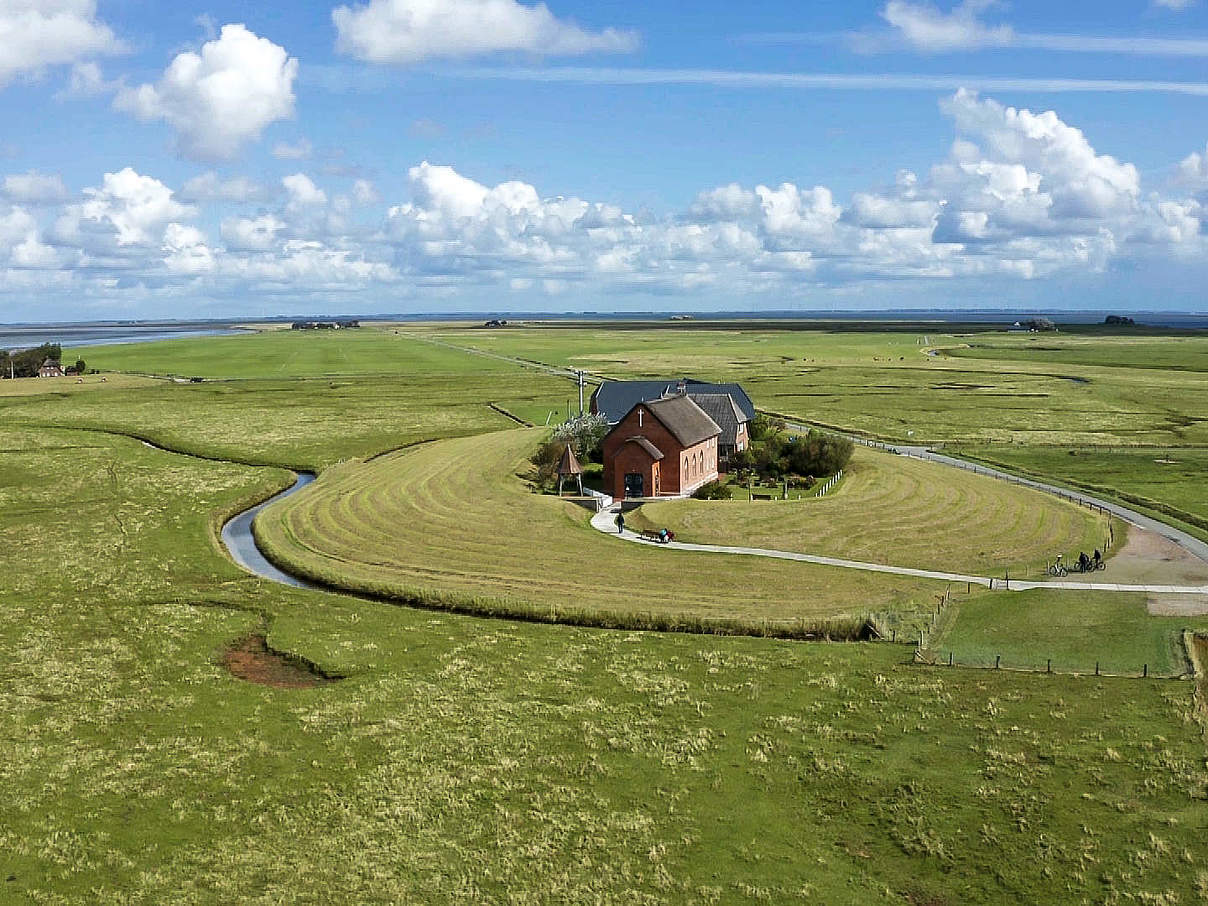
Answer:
(1086, 564)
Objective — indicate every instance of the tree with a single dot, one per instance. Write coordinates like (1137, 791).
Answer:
(763, 427)
(585, 433)
(81, 366)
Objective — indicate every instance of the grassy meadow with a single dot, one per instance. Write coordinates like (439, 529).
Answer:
(461, 759)
(901, 512)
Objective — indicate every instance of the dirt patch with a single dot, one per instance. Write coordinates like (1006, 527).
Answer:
(251, 659)
(1148, 558)
(1177, 605)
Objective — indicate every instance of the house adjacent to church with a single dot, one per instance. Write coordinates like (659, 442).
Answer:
(727, 404)
(663, 447)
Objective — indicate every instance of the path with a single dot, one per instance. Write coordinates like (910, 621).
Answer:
(605, 522)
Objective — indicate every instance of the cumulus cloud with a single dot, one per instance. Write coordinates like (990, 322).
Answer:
(258, 233)
(1193, 170)
(35, 188)
(410, 31)
(1021, 195)
(128, 209)
(221, 98)
(927, 28)
(35, 34)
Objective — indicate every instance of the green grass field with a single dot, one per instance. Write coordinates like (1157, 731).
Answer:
(1166, 482)
(452, 524)
(468, 760)
(901, 512)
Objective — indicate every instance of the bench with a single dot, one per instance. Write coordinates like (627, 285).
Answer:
(652, 535)
(763, 497)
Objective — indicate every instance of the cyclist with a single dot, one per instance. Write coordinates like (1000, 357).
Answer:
(1098, 558)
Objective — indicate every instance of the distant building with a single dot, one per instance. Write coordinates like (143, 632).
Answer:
(50, 368)
(661, 448)
(496, 322)
(324, 325)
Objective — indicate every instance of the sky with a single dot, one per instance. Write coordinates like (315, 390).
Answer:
(227, 159)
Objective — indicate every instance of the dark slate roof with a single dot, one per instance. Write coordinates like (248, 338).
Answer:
(688, 422)
(722, 409)
(615, 399)
(655, 452)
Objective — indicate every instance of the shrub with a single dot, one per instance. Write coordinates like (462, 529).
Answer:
(713, 490)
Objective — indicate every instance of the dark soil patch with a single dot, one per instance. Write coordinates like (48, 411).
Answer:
(251, 659)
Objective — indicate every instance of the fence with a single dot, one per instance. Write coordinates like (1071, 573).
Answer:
(936, 659)
(942, 616)
(830, 484)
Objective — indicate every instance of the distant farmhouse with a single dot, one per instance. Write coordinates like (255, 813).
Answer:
(324, 325)
(50, 368)
(669, 437)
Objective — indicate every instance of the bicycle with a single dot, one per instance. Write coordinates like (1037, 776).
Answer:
(1058, 570)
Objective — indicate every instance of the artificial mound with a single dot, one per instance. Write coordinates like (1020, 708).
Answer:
(901, 512)
(450, 524)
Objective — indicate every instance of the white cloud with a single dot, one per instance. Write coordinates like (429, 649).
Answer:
(1193, 171)
(35, 188)
(35, 34)
(303, 193)
(252, 233)
(1082, 183)
(129, 209)
(1021, 195)
(301, 150)
(409, 31)
(1176, 5)
(209, 186)
(222, 98)
(929, 29)
(364, 192)
(185, 250)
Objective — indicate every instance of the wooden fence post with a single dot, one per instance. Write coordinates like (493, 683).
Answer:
(1049, 668)
(1145, 671)
(1096, 668)
(997, 660)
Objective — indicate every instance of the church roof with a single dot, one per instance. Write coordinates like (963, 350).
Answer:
(687, 421)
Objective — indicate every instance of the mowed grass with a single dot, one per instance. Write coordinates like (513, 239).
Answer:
(452, 524)
(902, 512)
(1165, 482)
(1074, 629)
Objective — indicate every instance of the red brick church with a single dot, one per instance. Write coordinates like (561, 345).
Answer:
(661, 447)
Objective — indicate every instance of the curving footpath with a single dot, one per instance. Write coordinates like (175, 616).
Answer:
(605, 522)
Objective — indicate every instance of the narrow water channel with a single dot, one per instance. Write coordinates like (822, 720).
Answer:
(241, 544)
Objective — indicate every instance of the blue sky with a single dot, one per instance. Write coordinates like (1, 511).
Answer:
(374, 156)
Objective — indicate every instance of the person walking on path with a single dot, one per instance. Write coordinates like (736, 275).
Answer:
(620, 523)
